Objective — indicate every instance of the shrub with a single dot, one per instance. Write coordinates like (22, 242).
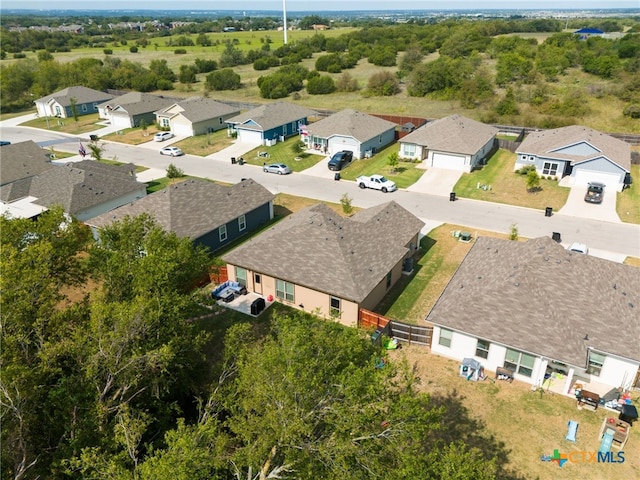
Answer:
(20, 55)
(179, 51)
(107, 51)
(174, 172)
(526, 169)
(632, 111)
(133, 49)
(321, 85)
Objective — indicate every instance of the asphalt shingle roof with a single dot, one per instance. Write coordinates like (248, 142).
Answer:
(318, 249)
(546, 143)
(136, 103)
(22, 160)
(455, 134)
(538, 297)
(198, 109)
(194, 207)
(270, 115)
(360, 126)
(81, 185)
(81, 95)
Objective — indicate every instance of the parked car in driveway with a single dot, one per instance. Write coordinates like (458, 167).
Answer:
(340, 160)
(162, 136)
(279, 168)
(171, 151)
(595, 192)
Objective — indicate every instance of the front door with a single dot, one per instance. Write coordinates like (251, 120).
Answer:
(257, 283)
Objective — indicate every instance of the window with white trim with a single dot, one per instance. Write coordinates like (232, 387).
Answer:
(335, 306)
(482, 348)
(241, 276)
(84, 107)
(242, 222)
(408, 149)
(164, 122)
(222, 231)
(596, 362)
(445, 337)
(284, 290)
(550, 168)
(519, 362)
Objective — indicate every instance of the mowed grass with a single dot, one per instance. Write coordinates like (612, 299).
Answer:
(85, 123)
(503, 185)
(628, 201)
(206, 144)
(283, 152)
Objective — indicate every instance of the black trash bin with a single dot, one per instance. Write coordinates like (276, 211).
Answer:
(241, 161)
(336, 176)
(556, 237)
(548, 211)
(233, 160)
(452, 197)
(628, 413)
(93, 138)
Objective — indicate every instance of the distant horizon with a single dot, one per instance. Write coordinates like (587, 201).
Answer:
(326, 6)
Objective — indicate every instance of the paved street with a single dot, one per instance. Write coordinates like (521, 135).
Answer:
(605, 238)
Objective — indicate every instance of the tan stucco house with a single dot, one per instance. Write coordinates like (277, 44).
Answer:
(320, 262)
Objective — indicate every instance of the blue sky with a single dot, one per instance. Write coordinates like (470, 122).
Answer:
(314, 5)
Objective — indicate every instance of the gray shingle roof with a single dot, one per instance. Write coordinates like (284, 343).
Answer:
(22, 160)
(360, 126)
(136, 103)
(81, 94)
(81, 185)
(318, 249)
(198, 109)
(540, 298)
(455, 134)
(194, 207)
(271, 115)
(546, 142)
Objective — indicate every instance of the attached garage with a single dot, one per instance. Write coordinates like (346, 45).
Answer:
(611, 180)
(449, 161)
(250, 136)
(120, 120)
(181, 129)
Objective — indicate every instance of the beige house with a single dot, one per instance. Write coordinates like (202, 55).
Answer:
(320, 262)
(195, 116)
(454, 142)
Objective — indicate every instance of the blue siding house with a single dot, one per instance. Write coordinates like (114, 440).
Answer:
(212, 215)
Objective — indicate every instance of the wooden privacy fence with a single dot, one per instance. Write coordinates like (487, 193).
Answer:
(218, 274)
(412, 334)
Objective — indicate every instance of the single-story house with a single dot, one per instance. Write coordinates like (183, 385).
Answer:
(128, 110)
(318, 261)
(84, 189)
(61, 104)
(269, 123)
(454, 142)
(583, 153)
(585, 33)
(348, 129)
(211, 214)
(538, 309)
(195, 116)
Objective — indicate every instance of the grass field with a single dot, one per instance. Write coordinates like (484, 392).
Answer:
(85, 123)
(628, 202)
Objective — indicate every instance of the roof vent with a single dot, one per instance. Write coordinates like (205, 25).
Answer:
(586, 337)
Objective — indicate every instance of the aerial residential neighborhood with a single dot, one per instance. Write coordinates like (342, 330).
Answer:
(309, 270)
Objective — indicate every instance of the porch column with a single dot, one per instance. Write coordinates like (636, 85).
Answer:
(569, 381)
(542, 370)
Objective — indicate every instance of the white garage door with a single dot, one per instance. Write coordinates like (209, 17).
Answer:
(583, 177)
(120, 121)
(250, 136)
(182, 130)
(452, 162)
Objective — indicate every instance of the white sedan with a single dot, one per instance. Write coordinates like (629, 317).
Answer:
(171, 151)
(162, 136)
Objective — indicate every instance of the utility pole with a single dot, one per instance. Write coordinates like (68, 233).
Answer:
(284, 10)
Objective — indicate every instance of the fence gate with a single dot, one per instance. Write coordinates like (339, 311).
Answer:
(411, 334)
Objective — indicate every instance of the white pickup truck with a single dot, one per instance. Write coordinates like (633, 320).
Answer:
(377, 182)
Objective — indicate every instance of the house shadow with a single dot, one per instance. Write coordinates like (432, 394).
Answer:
(459, 426)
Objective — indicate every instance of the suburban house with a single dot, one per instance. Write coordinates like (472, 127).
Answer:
(543, 312)
(318, 261)
(358, 132)
(269, 123)
(585, 154)
(128, 110)
(195, 116)
(84, 189)
(585, 33)
(62, 104)
(211, 214)
(454, 142)
(19, 163)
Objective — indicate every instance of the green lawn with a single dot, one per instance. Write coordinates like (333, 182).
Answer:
(628, 202)
(85, 123)
(206, 144)
(283, 152)
(503, 185)
(405, 174)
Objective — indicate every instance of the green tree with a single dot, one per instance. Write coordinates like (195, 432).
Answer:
(174, 172)
(203, 40)
(187, 74)
(508, 104)
(232, 56)
(74, 108)
(346, 83)
(321, 85)
(392, 161)
(225, 79)
(532, 181)
(96, 149)
(346, 202)
(383, 84)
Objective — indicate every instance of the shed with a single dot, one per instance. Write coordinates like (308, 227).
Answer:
(471, 369)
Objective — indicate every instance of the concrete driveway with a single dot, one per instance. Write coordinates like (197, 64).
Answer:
(436, 181)
(577, 207)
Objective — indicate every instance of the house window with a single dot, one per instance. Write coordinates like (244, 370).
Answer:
(242, 222)
(519, 362)
(550, 168)
(284, 290)
(222, 231)
(596, 361)
(409, 150)
(482, 348)
(389, 279)
(335, 306)
(219, 120)
(379, 138)
(58, 111)
(164, 122)
(532, 159)
(95, 106)
(241, 276)
(445, 337)
(84, 107)
(257, 279)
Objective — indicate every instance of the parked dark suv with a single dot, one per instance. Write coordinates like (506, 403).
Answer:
(595, 192)
(340, 160)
